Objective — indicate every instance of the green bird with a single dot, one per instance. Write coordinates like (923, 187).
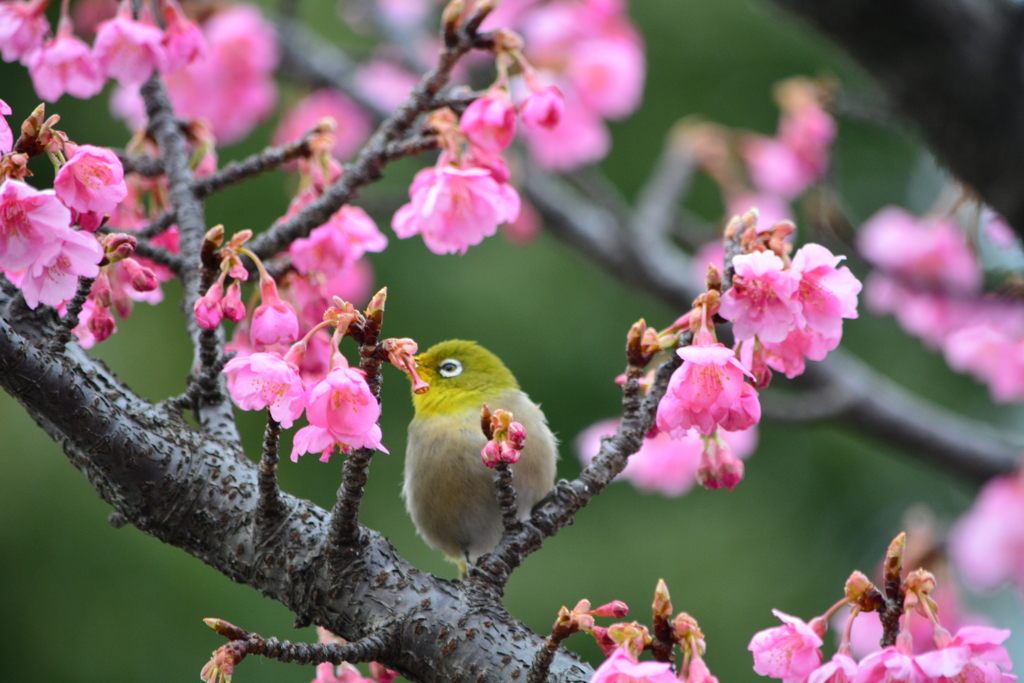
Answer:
(448, 490)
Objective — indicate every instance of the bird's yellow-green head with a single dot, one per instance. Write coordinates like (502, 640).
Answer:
(461, 375)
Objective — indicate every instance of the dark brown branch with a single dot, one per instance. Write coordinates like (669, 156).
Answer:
(873, 403)
(506, 494)
(374, 155)
(214, 410)
(261, 162)
(952, 67)
(140, 164)
(367, 649)
(70, 319)
(546, 654)
(158, 226)
(159, 255)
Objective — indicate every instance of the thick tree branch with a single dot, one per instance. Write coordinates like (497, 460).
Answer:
(954, 68)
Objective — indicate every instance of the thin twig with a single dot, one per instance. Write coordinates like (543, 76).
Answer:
(140, 164)
(367, 649)
(157, 226)
(506, 495)
(270, 508)
(70, 319)
(214, 411)
(159, 255)
(266, 160)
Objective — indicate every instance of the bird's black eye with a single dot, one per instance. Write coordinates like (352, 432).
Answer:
(449, 367)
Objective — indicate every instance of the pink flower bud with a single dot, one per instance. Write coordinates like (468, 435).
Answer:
(274, 321)
(234, 309)
(118, 246)
(143, 279)
(615, 609)
(508, 453)
(491, 453)
(516, 436)
(101, 291)
(719, 468)
(101, 324)
(544, 108)
(490, 121)
(207, 307)
(382, 673)
(183, 41)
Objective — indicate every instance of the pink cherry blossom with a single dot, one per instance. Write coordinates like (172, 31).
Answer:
(992, 354)
(931, 254)
(663, 464)
(889, 665)
(91, 180)
(761, 300)
(65, 65)
(183, 41)
(352, 125)
(207, 307)
(622, 667)
(490, 121)
(718, 467)
(775, 168)
(789, 652)
(840, 669)
(128, 50)
(455, 208)
(788, 355)
(698, 671)
(987, 542)
(384, 83)
(544, 108)
(708, 391)
(827, 294)
(6, 135)
(342, 412)
(32, 223)
(232, 88)
(23, 26)
(52, 278)
(579, 138)
(95, 324)
(336, 245)
(274, 321)
(608, 72)
(231, 304)
(265, 380)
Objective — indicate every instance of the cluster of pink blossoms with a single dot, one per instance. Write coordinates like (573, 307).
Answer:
(593, 54)
(46, 236)
(792, 652)
(466, 195)
(230, 85)
(126, 49)
(930, 278)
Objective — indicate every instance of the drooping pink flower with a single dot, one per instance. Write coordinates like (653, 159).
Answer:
(761, 300)
(622, 667)
(490, 121)
(698, 671)
(265, 380)
(789, 652)
(342, 412)
(65, 65)
(352, 125)
(232, 304)
(128, 50)
(775, 168)
(889, 665)
(987, 542)
(840, 669)
(455, 208)
(95, 324)
(579, 138)
(23, 26)
(207, 307)
(32, 223)
(274, 321)
(663, 464)
(827, 294)
(52, 278)
(718, 467)
(544, 108)
(930, 254)
(183, 41)
(6, 135)
(91, 180)
(335, 246)
(708, 391)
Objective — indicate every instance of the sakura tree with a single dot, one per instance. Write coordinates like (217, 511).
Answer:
(406, 137)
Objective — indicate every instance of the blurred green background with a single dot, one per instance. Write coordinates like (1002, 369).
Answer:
(81, 601)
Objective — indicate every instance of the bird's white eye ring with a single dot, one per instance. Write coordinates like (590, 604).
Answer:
(449, 367)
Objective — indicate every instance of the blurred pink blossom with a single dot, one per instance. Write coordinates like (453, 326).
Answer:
(23, 26)
(622, 667)
(128, 50)
(544, 108)
(65, 65)
(6, 134)
(608, 72)
(336, 245)
(579, 138)
(183, 41)
(490, 121)
(987, 542)
(352, 125)
(840, 669)
(384, 83)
